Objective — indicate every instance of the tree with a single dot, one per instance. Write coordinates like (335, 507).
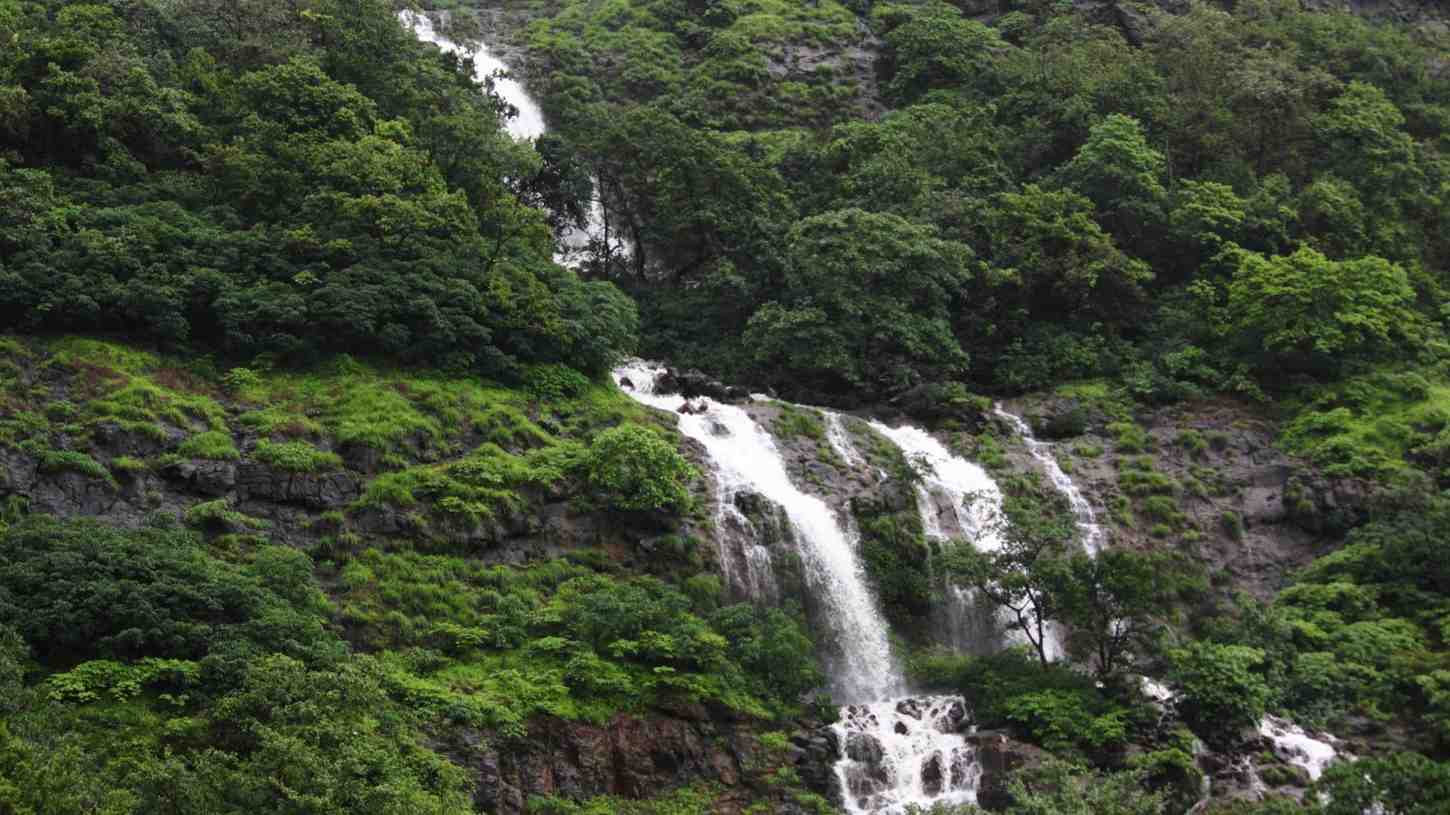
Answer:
(636, 469)
(938, 47)
(867, 301)
(1121, 173)
(1309, 311)
(1112, 602)
(1059, 788)
(1049, 254)
(1028, 573)
(1223, 692)
(1396, 784)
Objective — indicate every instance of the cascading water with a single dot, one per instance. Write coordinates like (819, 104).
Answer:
(1297, 747)
(897, 751)
(906, 752)
(958, 500)
(1082, 509)
(527, 124)
(956, 497)
(745, 457)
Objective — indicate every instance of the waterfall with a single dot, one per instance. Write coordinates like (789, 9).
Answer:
(744, 457)
(1082, 509)
(529, 123)
(1298, 748)
(904, 753)
(840, 440)
(897, 751)
(958, 500)
(956, 497)
(526, 125)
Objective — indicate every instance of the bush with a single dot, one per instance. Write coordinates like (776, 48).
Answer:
(634, 469)
(1223, 691)
(84, 590)
(296, 456)
(55, 461)
(215, 445)
(553, 383)
(220, 514)
(1233, 525)
(1131, 438)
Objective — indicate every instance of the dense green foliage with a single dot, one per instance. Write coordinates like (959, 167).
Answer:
(257, 178)
(850, 202)
(1243, 193)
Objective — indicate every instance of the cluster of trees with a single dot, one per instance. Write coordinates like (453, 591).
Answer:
(276, 178)
(1244, 194)
(140, 672)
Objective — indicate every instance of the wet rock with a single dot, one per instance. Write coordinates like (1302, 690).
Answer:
(1061, 419)
(864, 748)
(816, 765)
(332, 490)
(211, 478)
(630, 756)
(931, 775)
(694, 384)
(1000, 756)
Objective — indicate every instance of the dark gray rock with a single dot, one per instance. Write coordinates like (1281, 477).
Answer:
(328, 490)
(202, 477)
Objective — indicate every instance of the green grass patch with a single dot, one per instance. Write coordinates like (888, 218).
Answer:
(128, 464)
(796, 421)
(476, 487)
(214, 445)
(296, 456)
(55, 461)
(221, 514)
(1370, 425)
(1130, 438)
(280, 420)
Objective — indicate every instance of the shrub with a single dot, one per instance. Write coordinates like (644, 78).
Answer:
(1223, 692)
(220, 514)
(634, 468)
(214, 445)
(128, 464)
(1061, 720)
(296, 456)
(81, 589)
(554, 382)
(1233, 525)
(239, 380)
(54, 461)
(1130, 437)
(1192, 441)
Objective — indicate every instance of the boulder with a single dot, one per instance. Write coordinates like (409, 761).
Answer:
(1000, 755)
(210, 478)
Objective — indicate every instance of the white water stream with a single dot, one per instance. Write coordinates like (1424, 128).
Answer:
(1293, 745)
(1082, 509)
(529, 123)
(744, 458)
(526, 125)
(897, 751)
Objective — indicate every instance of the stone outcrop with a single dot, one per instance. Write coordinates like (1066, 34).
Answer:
(639, 757)
(1001, 755)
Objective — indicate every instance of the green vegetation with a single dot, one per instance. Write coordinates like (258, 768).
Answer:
(634, 468)
(211, 444)
(277, 181)
(296, 456)
(325, 255)
(220, 514)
